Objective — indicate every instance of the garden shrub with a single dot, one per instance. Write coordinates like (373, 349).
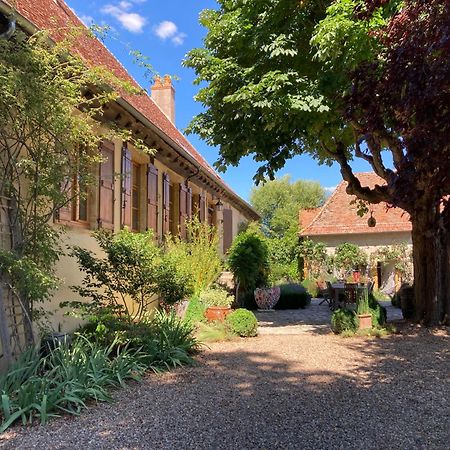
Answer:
(310, 284)
(379, 313)
(63, 381)
(198, 256)
(158, 338)
(248, 259)
(195, 311)
(343, 320)
(293, 296)
(242, 322)
(216, 296)
(134, 267)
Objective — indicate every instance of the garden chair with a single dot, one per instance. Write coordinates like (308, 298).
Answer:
(330, 296)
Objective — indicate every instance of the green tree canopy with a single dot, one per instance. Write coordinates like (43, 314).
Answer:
(340, 80)
(279, 201)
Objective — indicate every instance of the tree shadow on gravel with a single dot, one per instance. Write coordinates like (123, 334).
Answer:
(389, 393)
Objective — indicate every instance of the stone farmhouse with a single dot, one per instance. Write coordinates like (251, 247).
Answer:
(337, 222)
(132, 190)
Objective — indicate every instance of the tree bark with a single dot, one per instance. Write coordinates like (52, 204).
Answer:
(431, 262)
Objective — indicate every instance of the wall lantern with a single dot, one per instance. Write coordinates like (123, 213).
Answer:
(219, 205)
(7, 26)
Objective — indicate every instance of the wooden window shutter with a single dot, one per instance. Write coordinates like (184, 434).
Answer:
(227, 229)
(166, 203)
(106, 194)
(152, 198)
(183, 210)
(189, 203)
(126, 187)
(201, 208)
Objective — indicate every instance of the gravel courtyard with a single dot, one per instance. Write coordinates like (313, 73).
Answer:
(296, 386)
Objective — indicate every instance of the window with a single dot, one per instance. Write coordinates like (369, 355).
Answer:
(76, 209)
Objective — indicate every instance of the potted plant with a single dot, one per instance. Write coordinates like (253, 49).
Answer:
(363, 311)
(217, 302)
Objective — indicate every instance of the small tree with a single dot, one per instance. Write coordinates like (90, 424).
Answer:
(198, 256)
(131, 276)
(314, 257)
(50, 104)
(248, 259)
(348, 257)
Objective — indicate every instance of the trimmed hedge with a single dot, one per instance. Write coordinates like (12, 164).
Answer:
(343, 320)
(242, 322)
(293, 296)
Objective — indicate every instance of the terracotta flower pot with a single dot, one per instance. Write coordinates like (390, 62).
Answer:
(217, 313)
(267, 298)
(365, 321)
(356, 276)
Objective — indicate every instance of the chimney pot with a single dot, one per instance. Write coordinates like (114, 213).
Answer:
(163, 94)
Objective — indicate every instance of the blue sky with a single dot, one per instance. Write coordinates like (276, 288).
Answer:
(165, 31)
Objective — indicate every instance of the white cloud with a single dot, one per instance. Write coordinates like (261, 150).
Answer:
(87, 20)
(330, 189)
(169, 30)
(131, 21)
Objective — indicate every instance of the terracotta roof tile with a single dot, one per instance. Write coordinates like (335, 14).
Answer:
(55, 15)
(306, 216)
(338, 216)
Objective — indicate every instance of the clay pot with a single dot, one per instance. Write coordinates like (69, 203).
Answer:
(217, 313)
(356, 276)
(267, 298)
(365, 321)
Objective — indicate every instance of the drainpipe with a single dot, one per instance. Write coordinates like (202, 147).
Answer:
(7, 26)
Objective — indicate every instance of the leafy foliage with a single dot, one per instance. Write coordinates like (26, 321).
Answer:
(242, 322)
(343, 320)
(48, 136)
(164, 340)
(293, 296)
(348, 257)
(248, 260)
(198, 256)
(282, 78)
(62, 382)
(195, 311)
(278, 202)
(134, 268)
(314, 256)
(216, 296)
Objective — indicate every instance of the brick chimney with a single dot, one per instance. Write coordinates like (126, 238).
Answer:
(163, 94)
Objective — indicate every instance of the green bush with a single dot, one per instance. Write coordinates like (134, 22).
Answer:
(63, 381)
(216, 296)
(133, 267)
(293, 296)
(195, 311)
(310, 284)
(164, 340)
(242, 322)
(379, 313)
(248, 259)
(343, 320)
(198, 256)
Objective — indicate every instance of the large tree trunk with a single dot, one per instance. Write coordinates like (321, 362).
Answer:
(431, 262)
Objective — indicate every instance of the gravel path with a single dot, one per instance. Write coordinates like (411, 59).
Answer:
(304, 390)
